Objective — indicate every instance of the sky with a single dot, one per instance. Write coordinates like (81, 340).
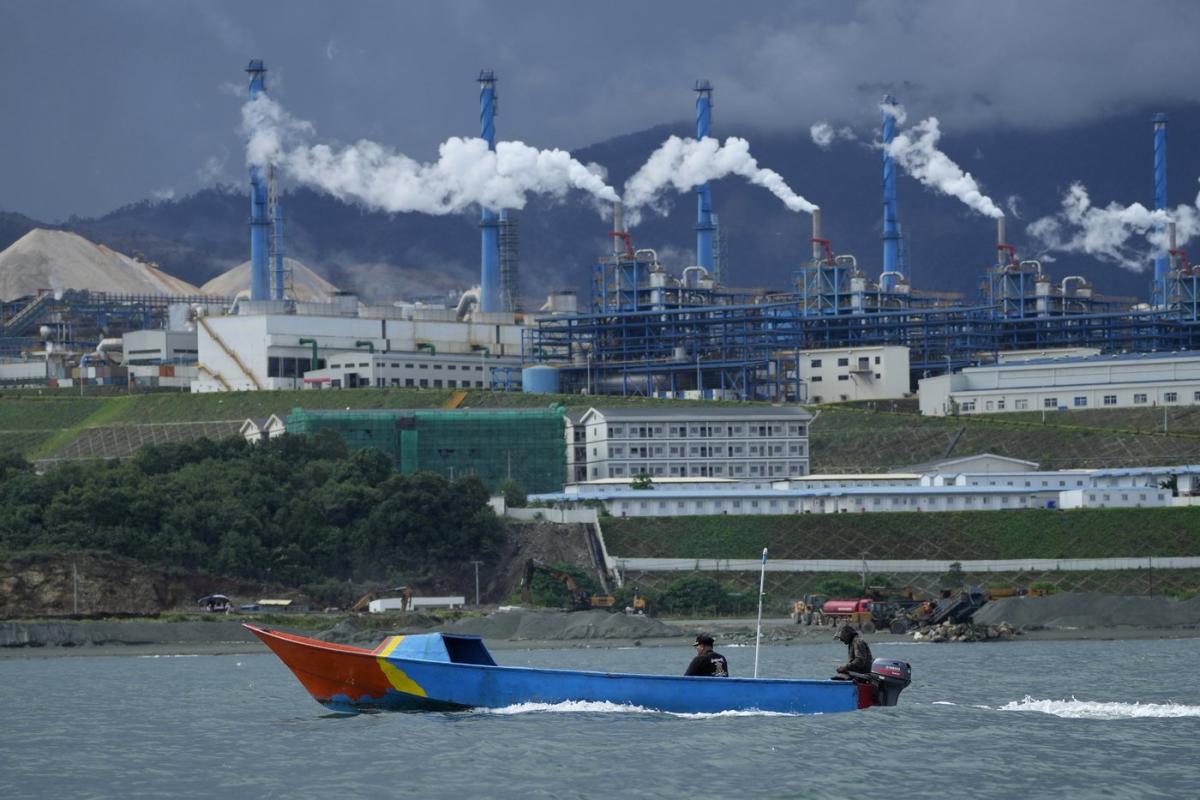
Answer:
(107, 103)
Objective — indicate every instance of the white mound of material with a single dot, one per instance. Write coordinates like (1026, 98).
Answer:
(307, 285)
(1091, 610)
(43, 260)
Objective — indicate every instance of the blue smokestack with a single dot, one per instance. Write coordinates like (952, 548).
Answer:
(258, 202)
(891, 227)
(704, 216)
(278, 265)
(1162, 263)
(489, 222)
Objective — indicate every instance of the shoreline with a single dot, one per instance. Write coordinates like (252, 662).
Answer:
(183, 639)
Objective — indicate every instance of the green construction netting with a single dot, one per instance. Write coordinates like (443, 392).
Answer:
(527, 446)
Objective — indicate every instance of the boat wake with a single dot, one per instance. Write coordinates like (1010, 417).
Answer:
(591, 707)
(1086, 709)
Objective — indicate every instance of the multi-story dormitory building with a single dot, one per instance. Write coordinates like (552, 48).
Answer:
(701, 440)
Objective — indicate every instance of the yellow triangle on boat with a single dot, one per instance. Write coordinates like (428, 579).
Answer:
(396, 676)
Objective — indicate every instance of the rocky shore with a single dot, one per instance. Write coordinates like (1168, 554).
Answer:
(1065, 616)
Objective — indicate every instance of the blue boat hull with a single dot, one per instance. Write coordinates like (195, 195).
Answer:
(443, 672)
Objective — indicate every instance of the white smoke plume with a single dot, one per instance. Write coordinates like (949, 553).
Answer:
(684, 164)
(894, 110)
(824, 135)
(915, 149)
(1115, 233)
(466, 173)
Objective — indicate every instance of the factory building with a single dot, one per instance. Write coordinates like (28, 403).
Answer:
(691, 441)
(252, 350)
(421, 370)
(837, 375)
(1138, 487)
(494, 445)
(1132, 380)
(160, 357)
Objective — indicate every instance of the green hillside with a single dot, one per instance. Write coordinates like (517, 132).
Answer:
(843, 438)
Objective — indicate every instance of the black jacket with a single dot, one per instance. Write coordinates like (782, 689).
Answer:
(709, 665)
(859, 653)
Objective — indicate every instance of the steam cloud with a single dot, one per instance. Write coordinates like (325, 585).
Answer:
(684, 164)
(915, 149)
(824, 135)
(1112, 233)
(466, 173)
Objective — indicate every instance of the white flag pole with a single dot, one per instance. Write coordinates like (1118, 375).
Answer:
(762, 580)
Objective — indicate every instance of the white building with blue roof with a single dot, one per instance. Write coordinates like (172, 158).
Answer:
(1132, 380)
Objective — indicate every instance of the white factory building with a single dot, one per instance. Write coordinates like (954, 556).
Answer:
(838, 375)
(261, 346)
(1135, 380)
(1140, 487)
(701, 440)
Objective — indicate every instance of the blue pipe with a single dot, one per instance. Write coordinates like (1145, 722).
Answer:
(489, 222)
(891, 228)
(1162, 263)
(258, 202)
(278, 265)
(704, 216)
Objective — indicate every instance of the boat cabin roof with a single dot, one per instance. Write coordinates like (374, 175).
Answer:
(452, 648)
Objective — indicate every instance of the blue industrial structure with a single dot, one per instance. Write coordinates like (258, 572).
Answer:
(259, 221)
(489, 222)
(704, 213)
(891, 227)
(654, 334)
(1161, 262)
(278, 284)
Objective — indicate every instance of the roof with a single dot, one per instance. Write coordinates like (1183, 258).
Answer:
(793, 494)
(702, 410)
(945, 463)
(1182, 469)
(657, 480)
(854, 476)
(1086, 360)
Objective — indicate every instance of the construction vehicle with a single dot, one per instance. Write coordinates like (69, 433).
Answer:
(404, 593)
(581, 600)
(639, 605)
(807, 611)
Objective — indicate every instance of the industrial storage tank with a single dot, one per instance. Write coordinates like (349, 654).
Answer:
(539, 380)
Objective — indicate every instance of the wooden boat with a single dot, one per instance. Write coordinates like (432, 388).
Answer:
(450, 672)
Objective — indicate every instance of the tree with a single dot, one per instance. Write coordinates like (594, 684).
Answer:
(641, 481)
(696, 593)
(514, 494)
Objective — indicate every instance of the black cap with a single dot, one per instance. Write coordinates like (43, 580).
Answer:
(704, 638)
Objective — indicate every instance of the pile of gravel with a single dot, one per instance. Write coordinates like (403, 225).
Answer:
(1091, 610)
(519, 624)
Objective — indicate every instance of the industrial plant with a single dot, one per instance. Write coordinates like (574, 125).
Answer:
(838, 330)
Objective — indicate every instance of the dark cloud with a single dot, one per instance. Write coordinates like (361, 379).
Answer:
(106, 103)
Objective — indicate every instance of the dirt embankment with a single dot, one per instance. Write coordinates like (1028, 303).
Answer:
(1088, 610)
(92, 584)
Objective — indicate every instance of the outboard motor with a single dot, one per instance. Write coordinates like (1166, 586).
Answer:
(890, 677)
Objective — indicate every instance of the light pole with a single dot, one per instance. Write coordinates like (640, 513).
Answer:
(699, 379)
(476, 563)
(589, 375)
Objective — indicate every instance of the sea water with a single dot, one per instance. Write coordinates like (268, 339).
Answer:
(1013, 719)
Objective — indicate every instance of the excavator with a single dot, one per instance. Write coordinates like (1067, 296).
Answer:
(581, 600)
(403, 592)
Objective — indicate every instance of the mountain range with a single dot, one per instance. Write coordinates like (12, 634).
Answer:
(387, 256)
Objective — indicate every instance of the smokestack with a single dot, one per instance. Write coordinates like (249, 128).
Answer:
(259, 277)
(1172, 247)
(618, 227)
(489, 222)
(1162, 262)
(891, 227)
(704, 215)
(816, 236)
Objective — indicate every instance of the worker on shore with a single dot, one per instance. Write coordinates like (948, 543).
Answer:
(707, 663)
(858, 651)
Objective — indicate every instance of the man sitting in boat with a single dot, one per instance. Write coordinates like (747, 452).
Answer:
(858, 650)
(707, 662)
